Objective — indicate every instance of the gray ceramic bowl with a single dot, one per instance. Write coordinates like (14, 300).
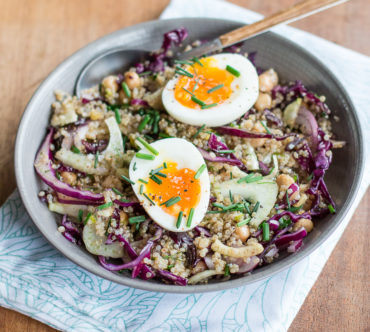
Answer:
(290, 61)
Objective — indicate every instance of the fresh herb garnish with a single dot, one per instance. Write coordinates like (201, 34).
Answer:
(200, 171)
(190, 217)
(148, 198)
(75, 149)
(141, 189)
(331, 208)
(136, 219)
(109, 223)
(190, 93)
(144, 156)
(243, 222)
(171, 201)
(80, 215)
(87, 218)
(256, 207)
(179, 219)
(208, 106)
(124, 140)
(127, 179)
(266, 128)
(143, 181)
(233, 71)
(147, 146)
(116, 191)
(145, 73)
(199, 131)
(126, 89)
(227, 270)
(156, 179)
(250, 178)
(198, 101)
(104, 206)
(117, 115)
(215, 88)
(143, 123)
(96, 159)
(265, 231)
(196, 60)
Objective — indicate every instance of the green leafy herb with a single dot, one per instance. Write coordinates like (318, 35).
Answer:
(148, 198)
(75, 149)
(215, 88)
(190, 217)
(156, 179)
(265, 231)
(233, 71)
(200, 171)
(198, 101)
(144, 156)
(250, 178)
(104, 206)
(143, 123)
(147, 146)
(136, 219)
(179, 219)
(116, 191)
(127, 179)
(196, 60)
(171, 201)
(331, 208)
(126, 89)
(243, 222)
(143, 181)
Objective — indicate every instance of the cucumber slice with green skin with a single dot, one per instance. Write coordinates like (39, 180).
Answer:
(71, 210)
(85, 163)
(95, 244)
(264, 191)
(291, 112)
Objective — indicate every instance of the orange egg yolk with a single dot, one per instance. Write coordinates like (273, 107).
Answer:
(178, 182)
(204, 78)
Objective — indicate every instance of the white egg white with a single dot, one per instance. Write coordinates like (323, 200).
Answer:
(186, 155)
(244, 95)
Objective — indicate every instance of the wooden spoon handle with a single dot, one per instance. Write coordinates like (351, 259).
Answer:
(291, 14)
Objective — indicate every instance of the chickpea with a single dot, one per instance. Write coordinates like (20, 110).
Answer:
(267, 80)
(243, 232)
(306, 223)
(263, 101)
(257, 142)
(284, 181)
(69, 178)
(110, 83)
(111, 181)
(132, 80)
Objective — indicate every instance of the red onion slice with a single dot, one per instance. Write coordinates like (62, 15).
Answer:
(309, 125)
(43, 166)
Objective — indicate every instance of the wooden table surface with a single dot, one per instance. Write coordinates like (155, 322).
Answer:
(37, 35)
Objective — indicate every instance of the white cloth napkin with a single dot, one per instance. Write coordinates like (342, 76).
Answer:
(38, 281)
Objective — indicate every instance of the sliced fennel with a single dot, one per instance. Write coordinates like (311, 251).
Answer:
(251, 159)
(291, 112)
(95, 244)
(86, 163)
(264, 191)
(68, 209)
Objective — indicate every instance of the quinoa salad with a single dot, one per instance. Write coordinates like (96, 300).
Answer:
(188, 171)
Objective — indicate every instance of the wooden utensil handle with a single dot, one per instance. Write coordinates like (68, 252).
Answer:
(285, 16)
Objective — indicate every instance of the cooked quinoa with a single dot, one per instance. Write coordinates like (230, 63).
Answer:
(226, 243)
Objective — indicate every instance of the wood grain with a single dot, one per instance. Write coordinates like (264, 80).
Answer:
(37, 35)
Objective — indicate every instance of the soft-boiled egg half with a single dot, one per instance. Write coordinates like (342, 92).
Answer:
(171, 181)
(214, 91)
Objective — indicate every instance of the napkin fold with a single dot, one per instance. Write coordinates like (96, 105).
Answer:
(38, 281)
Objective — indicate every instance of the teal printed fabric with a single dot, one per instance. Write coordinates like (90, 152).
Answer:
(38, 281)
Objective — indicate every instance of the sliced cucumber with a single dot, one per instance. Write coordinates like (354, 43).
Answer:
(95, 244)
(86, 163)
(264, 191)
(291, 112)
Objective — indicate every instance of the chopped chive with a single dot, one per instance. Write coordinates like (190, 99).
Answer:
(250, 178)
(127, 179)
(295, 177)
(150, 138)
(183, 62)
(331, 208)
(156, 179)
(124, 140)
(190, 93)
(134, 167)
(126, 89)
(151, 121)
(57, 174)
(225, 151)
(256, 207)
(156, 170)
(246, 206)
(231, 197)
(117, 115)
(243, 222)
(199, 131)
(233, 71)
(141, 189)
(171, 201)
(143, 181)
(227, 270)
(136, 219)
(265, 231)
(116, 191)
(198, 101)
(143, 123)
(179, 219)
(164, 135)
(145, 73)
(109, 223)
(161, 174)
(287, 199)
(190, 217)
(87, 218)
(148, 146)
(195, 85)
(209, 106)
(80, 214)
(165, 165)
(266, 128)
(295, 209)
(75, 149)
(104, 206)
(123, 200)
(183, 72)
(196, 60)
(309, 178)
(214, 212)
(215, 88)
(96, 159)
(155, 124)
(148, 198)
(200, 171)
(231, 176)
(145, 156)
(170, 266)
(219, 205)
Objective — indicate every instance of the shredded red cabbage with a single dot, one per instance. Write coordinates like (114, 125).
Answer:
(287, 238)
(232, 131)
(207, 156)
(272, 118)
(140, 102)
(175, 279)
(72, 232)
(94, 147)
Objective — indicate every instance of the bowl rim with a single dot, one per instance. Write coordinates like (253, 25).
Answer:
(269, 270)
